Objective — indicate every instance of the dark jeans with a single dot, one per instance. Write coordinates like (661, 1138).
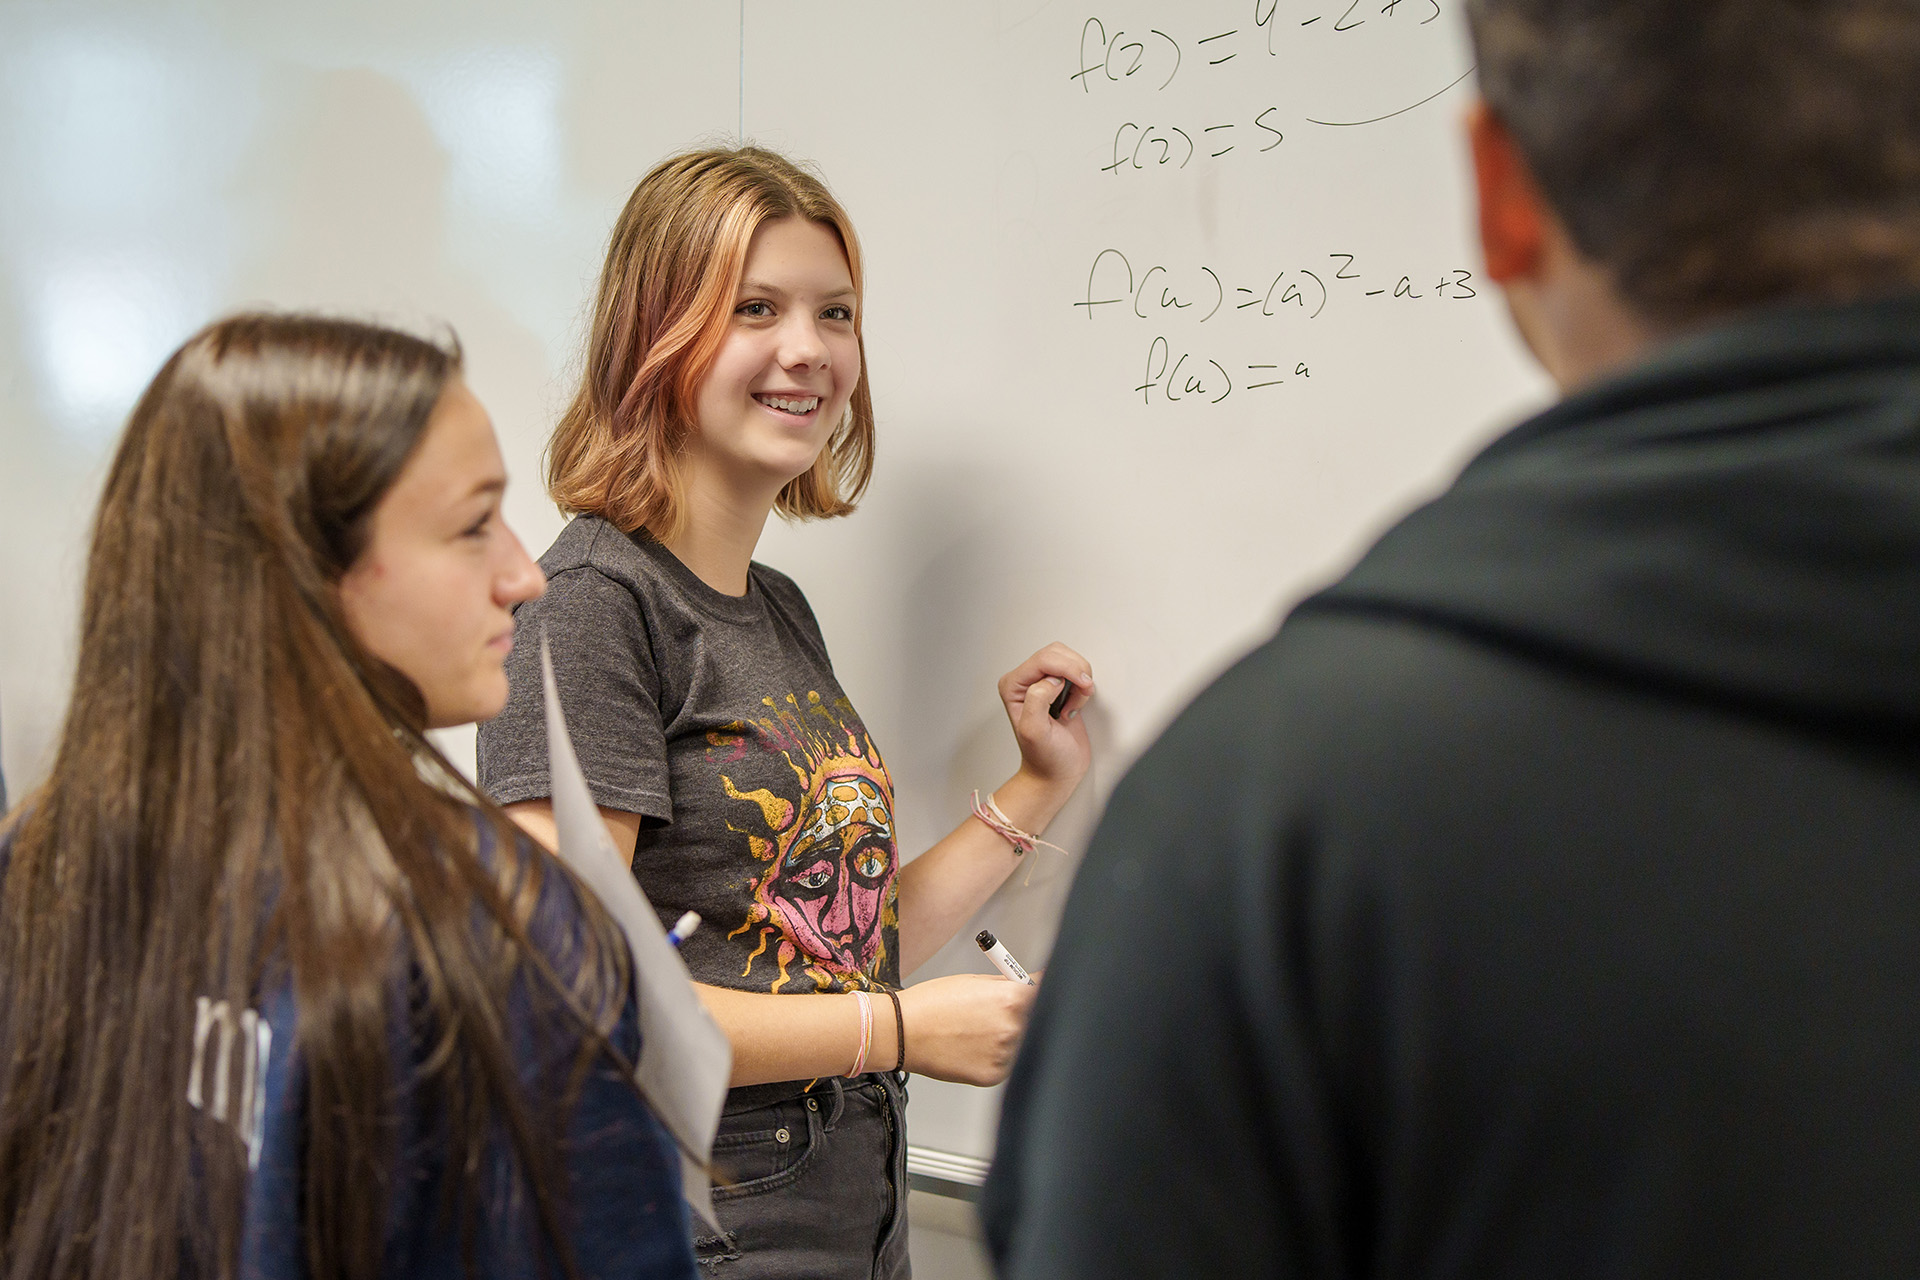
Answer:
(819, 1178)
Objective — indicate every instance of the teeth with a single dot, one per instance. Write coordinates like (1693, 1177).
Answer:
(807, 405)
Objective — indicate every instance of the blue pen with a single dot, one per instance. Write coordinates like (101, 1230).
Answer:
(683, 928)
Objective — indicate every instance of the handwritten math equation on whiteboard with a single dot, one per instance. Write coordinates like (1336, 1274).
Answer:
(1205, 293)
(1173, 91)
(1202, 295)
(1119, 55)
(1132, 64)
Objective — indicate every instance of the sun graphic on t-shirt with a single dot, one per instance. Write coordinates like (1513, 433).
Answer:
(827, 896)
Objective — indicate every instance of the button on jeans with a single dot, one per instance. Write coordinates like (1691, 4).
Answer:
(818, 1183)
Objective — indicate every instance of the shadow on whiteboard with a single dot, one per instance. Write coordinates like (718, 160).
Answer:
(1025, 914)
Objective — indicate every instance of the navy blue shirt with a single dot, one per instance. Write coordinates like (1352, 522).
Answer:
(622, 1201)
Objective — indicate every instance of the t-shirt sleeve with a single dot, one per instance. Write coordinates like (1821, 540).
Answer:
(609, 690)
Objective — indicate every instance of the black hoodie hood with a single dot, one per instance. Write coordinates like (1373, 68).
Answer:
(1737, 518)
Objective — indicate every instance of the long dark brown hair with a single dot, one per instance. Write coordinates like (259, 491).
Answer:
(243, 797)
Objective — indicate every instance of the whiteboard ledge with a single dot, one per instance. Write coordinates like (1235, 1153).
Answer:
(945, 1173)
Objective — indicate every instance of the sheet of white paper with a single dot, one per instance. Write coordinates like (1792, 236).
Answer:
(685, 1059)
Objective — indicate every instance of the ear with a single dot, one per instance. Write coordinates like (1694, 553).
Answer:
(1512, 210)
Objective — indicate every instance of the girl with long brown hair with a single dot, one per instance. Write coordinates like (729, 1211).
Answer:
(725, 380)
(279, 994)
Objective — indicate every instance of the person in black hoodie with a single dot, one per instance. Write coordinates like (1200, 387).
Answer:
(1544, 898)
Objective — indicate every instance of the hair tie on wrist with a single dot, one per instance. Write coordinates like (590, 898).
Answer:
(900, 1028)
(997, 822)
(866, 1034)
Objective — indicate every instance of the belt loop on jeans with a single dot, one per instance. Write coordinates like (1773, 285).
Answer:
(839, 1102)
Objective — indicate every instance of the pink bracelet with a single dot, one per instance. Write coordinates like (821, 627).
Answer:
(866, 1033)
(997, 822)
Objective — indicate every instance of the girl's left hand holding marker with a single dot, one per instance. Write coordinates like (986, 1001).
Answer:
(1052, 751)
(965, 1027)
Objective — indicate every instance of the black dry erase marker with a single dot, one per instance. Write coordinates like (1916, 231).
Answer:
(1060, 699)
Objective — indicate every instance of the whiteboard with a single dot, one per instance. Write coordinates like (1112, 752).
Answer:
(1171, 306)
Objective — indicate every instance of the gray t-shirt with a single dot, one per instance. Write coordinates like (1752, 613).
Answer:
(767, 807)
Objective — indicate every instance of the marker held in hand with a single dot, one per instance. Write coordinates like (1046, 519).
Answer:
(998, 953)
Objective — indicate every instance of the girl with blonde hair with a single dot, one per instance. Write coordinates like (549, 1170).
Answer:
(725, 380)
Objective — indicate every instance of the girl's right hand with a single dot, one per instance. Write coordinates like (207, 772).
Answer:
(965, 1028)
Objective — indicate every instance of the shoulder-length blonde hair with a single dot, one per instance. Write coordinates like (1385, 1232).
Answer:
(666, 296)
